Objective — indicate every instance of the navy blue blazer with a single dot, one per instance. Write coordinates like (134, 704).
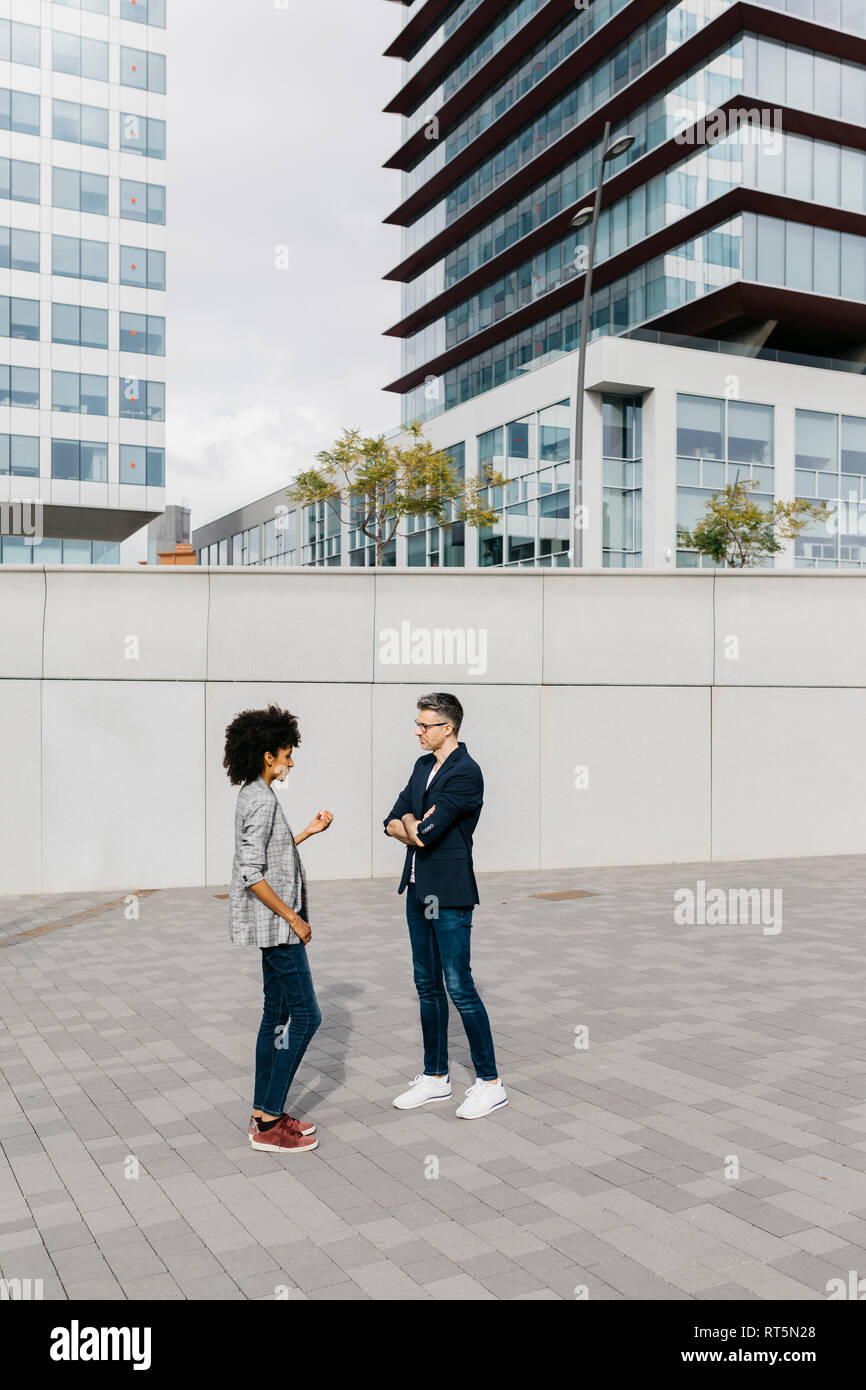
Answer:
(443, 868)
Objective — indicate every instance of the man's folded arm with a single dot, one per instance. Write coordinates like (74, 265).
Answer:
(400, 807)
(464, 795)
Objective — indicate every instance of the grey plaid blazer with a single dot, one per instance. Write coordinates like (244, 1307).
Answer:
(264, 848)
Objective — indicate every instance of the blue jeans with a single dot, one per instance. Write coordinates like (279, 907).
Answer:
(440, 953)
(290, 1018)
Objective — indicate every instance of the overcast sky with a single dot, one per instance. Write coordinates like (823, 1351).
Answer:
(276, 137)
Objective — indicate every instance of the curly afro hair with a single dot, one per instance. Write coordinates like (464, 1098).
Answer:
(252, 734)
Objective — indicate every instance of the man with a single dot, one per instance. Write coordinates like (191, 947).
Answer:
(435, 816)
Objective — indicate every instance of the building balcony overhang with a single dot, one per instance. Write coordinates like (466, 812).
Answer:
(69, 523)
(806, 123)
(508, 56)
(742, 16)
(425, 18)
(667, 238)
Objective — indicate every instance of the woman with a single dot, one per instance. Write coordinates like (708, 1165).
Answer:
(268, 909)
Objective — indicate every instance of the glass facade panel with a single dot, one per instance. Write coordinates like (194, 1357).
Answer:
(19, 180)
(19, 111)
(831, 466)
(700, 427)
(141, 267)
(143, 11)
(727, 441)
(19, 455)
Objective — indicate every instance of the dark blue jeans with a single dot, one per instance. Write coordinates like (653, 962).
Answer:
(440, 953)
(290, 1018)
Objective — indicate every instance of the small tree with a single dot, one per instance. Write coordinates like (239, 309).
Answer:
(374, 485)
(734, 530)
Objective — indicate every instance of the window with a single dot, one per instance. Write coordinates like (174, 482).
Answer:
(19, 111)
(19, 318)
(554, 428)
(79, 326)
(720, 442)
(20, 386)
(142, 466)
(83, 125)
(19, 180)
(142, 202)
(490, 451)
(19, 250)
(79, 461)
(19, 43)
(831, 467)
(143, 268)
(622, 482)
(78, 393)
(142, 333)
(280, 539)
(141, 400)
(83, 260)
(144, 12)
(323, 526)
(49, 551)
(19, 455)
(79, 56)
(142, 135)
(699, 426)
(80, 192)
(141, 69)
(750, 433)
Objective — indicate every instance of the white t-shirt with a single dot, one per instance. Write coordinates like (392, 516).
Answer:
(434, 769)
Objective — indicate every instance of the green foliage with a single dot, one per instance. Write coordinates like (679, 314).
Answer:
(375, 485)
(735, 531)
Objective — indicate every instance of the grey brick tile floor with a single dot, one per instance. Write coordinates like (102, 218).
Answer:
(708, 1142)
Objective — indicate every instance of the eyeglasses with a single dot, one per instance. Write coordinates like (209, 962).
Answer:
(425, 727)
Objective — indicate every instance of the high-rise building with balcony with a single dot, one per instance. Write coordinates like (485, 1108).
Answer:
(727, 327)
(82, 273)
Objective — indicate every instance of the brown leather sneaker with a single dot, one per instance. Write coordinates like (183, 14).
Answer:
(305, 1126)
(283, 1138)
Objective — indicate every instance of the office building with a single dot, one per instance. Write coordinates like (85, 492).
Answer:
(82, 273)
(727, 334)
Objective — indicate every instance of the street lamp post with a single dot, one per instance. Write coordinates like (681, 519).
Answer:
(608, 152)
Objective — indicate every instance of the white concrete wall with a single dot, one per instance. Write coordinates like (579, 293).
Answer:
(718, 716)
(658, 372)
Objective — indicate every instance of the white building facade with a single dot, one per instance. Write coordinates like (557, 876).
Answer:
(82, 276)
(665, 426)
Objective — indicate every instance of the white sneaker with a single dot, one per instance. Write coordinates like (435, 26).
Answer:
(481, 1099)
(422, 1090)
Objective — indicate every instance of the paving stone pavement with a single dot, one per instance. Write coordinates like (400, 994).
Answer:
(708, 1143)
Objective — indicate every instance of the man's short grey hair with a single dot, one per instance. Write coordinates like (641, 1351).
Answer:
(447, 705)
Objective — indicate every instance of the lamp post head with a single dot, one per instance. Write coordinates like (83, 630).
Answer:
(619, 147)
(582, 217)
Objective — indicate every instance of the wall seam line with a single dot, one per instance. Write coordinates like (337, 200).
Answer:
(712, 711)
(204, 712)
(42, 824)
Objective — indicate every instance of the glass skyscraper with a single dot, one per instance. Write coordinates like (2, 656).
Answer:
(82, 272)
(710, 225)
(732, 228)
